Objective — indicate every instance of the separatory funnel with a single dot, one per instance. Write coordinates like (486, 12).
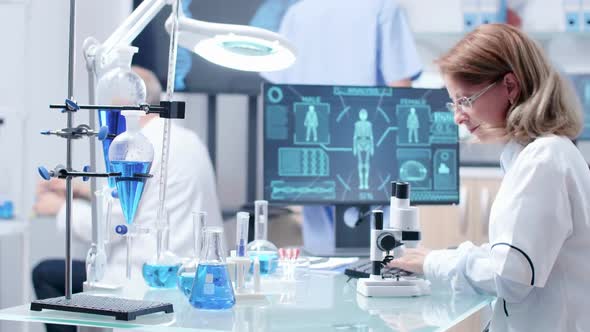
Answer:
(131, 154)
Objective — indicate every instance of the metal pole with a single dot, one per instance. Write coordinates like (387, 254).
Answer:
(93, 168)
(212, 129)
(70, 117)
(252, 180)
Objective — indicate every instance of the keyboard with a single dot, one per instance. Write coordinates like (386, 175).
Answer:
(362, 269)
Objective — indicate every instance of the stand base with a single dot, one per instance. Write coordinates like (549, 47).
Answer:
(402, 287)
(121, 309)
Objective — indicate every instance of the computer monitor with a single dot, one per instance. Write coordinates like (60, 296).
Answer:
(345, 144)
(581, 84)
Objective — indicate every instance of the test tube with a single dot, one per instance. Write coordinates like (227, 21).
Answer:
(242, 223)
(261, 218)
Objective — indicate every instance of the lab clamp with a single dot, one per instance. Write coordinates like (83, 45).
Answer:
(170, 110)
(404, 230)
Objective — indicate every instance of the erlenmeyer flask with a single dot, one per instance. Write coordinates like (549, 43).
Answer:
(119, 85)
(212, 288)
(188, 270)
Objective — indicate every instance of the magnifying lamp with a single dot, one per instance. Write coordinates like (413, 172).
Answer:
(235, 46)
(238, 47)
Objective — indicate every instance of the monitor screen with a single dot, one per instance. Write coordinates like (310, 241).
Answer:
(581, 83)
(345, 144)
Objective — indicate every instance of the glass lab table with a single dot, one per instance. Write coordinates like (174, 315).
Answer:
(316, 302)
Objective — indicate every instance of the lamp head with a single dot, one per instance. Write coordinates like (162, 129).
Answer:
(234, 46)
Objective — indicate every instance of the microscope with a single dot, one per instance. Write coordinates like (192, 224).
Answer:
(386, 243)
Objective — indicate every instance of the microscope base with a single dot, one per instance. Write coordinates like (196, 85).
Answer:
(402, 287)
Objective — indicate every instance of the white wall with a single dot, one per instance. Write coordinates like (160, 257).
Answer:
(33, 74)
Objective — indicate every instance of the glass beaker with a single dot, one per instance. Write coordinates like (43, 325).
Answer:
(266, 251)
(212, 288)
(131, 154)
(161, 270)
(188, 270)
(119, 85)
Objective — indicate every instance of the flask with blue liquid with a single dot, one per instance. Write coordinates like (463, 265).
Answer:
(266, 251)
(212, 288)
(161, 270)
(188, 270)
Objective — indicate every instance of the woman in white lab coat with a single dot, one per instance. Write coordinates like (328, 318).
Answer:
(504, 89)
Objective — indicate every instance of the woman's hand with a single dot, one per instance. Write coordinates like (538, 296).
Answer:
(412, 260)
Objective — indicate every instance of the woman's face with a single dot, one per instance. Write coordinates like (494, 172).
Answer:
(486, 118)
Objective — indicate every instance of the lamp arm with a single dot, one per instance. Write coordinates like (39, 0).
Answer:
(133, 25)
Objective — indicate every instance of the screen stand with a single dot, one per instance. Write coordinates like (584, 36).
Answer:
(344, 237)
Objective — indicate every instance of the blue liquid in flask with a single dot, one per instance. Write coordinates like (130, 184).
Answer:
(185, 283)
(269, 260)
(160, 276)
(130, 187)
(116, 124)
(212, 288)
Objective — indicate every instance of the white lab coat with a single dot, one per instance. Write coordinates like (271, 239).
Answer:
(536, 262)
(191, 187)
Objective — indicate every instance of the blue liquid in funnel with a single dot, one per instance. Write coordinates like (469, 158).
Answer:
(129, 187)
(212, 288)
(116, 123)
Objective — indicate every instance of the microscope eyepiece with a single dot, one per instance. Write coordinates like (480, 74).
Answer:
(378, 219)
(402, 190)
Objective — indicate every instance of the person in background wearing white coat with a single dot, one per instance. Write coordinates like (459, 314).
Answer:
(191, 187)
(345, 42)
(503, 88)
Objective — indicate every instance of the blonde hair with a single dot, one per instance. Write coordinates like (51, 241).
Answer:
(546, 103)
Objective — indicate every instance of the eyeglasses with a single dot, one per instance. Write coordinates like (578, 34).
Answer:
(467, 102)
